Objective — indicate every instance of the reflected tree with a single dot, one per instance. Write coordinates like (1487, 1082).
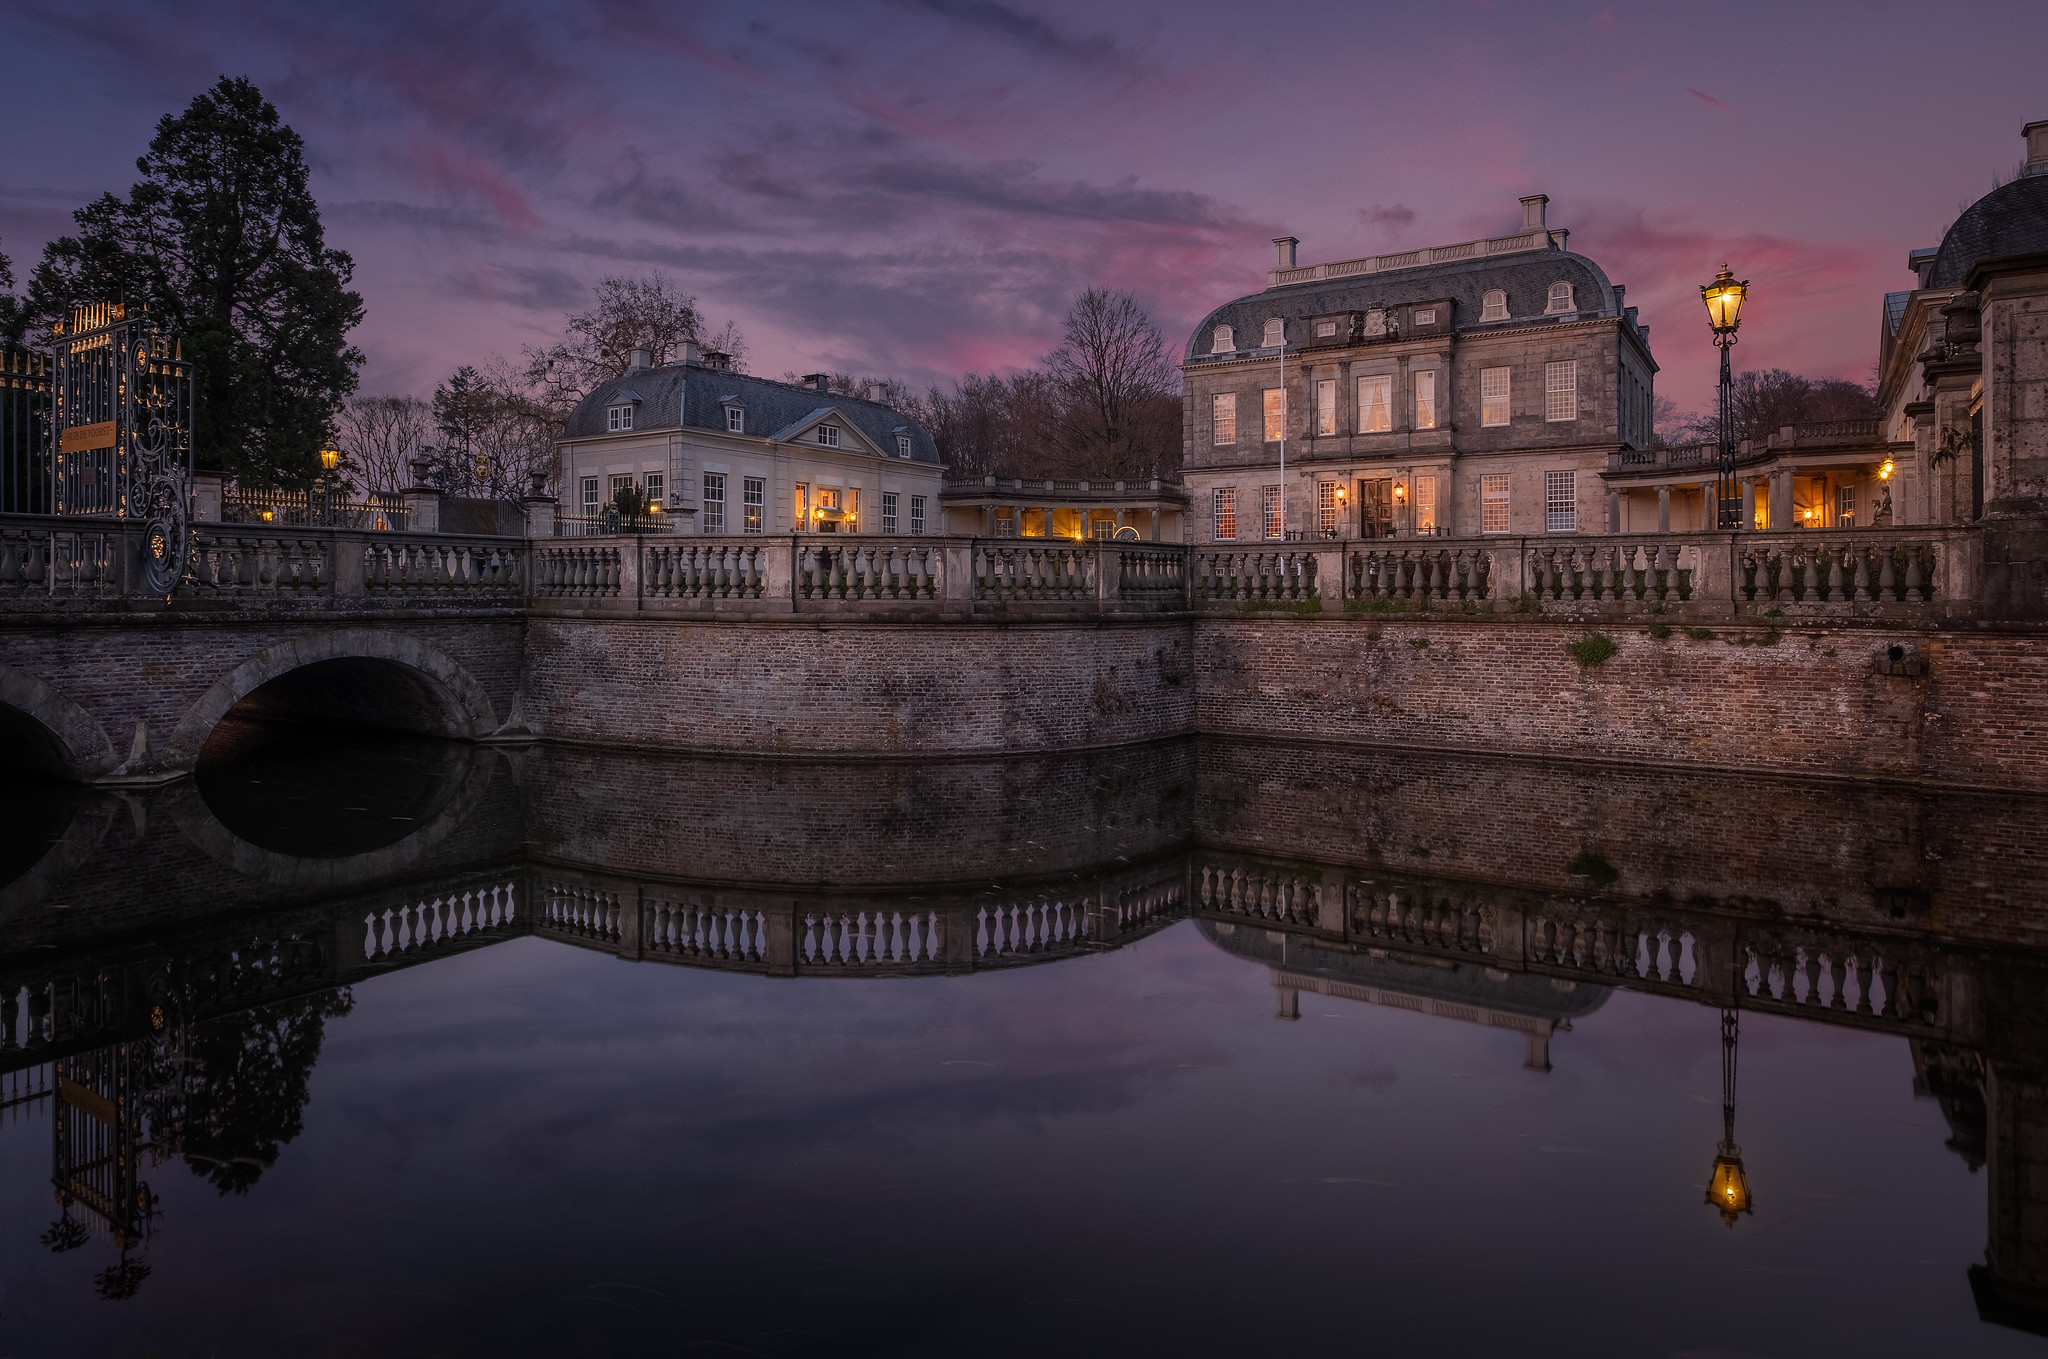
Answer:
(247, 1090)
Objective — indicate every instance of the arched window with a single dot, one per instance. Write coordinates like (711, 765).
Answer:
(1493, 306)
(1560, 298)
(1223, 341)
(1276, 333)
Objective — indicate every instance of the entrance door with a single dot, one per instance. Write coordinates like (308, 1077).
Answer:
(1376, 507)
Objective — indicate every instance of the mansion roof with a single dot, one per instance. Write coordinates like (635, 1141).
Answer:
(2010, 220)
(692, 396)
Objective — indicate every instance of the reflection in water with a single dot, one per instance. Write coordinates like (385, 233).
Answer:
(1059, 956)
(36, 813)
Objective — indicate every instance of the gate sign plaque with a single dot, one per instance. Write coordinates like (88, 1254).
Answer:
(122, 429)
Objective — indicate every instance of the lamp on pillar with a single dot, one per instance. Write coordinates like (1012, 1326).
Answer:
(1727, 1186)
(330, 458)
(1724, 313)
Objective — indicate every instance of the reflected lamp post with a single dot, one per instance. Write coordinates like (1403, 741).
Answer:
(1724, 313)
(1727, 1186)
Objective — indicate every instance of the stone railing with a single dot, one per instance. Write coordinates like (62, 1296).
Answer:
(44, 557)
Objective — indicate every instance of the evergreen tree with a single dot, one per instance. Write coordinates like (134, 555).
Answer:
(221, 242)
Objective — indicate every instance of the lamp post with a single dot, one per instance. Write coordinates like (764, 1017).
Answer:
(1724, 313)
(330, 458)
(1727, 1186)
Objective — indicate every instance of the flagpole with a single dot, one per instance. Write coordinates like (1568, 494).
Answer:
(1283, 431)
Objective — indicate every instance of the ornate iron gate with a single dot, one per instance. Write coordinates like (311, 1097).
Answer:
(121, 431)
(24, 431)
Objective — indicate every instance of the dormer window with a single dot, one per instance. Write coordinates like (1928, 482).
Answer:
(1276, 334)
(1223, 341)
(1560, 298)
(828, 436)
(735, 420)
(1493, 306)
(1325, 329)
(617, 418)
(903, 445)
(1425, 316)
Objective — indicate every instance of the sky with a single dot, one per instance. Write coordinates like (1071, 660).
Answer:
(917, 188)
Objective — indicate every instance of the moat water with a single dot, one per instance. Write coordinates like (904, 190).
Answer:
(367, 1045)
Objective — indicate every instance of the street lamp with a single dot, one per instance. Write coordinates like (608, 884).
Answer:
(330, 458)
(1724, 313)
(1727, 1186)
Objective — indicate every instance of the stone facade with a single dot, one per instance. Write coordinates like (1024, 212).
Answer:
(1474, 388)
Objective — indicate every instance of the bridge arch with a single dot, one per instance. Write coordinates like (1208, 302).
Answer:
(46, 731)
(363, 675)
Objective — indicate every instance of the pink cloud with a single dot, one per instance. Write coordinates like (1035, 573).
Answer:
(1708, 100)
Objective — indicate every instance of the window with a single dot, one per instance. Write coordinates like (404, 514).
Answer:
(917, 514)
(1425, 504)
(753, 498)
(1493, 306)
(1102, 528)
(828, 436)
(1493, 396)
(888, 511)
(1269, 504)
(1224, 501)
(1560, 298)
(1425, 316)
(1560, 502)
(1326, 406)
(590, 495)
(735, 420)
(1223, 418)
(1276, 333)
(618, 418)
(1493, 503)
(1375, 404)
(1222, 342)
(620, 483)
(651, 487)
(801, 504)
(903, 445)
(1425, 399)
(714, 502)
(1326, 508)
(1276, 414)
(1006, 523)
(1325, 329)
(1845, 507)
(1561, 390)
(852, 520)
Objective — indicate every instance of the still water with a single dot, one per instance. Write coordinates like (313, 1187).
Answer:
(379, 1046)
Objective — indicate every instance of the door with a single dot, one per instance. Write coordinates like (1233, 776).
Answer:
(1376, 507)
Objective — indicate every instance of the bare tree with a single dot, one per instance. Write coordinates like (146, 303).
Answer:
(1119, 406)
(380, 436)
(493, 433)
(1763, 402)
(650, 313)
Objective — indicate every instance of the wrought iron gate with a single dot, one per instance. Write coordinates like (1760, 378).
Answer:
(24, 431)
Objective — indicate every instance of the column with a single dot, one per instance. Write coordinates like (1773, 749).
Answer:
(1664, 509)
(1749, 503)
(1613, 511)
(1155, 523)
(1710, 506)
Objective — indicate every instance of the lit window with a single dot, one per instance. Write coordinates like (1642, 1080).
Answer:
(1376, 404)
(1102, 528)
(1425, 504)
(1269, 498)
(828, 436)
(888, 511)
(651, 487)
(801, 504)
(1425, 316)
(1560, 298)
(735, 420)
(1276, 333)
(1326, 508)
(917, 514)
(1276, 414)
(1425, 399)
(1493, 396)
(1493, 503)
(1224, 500)
(1845, 507)
(1325, 329)
(903, 445)
(1326, 406)
(714, 502)
(590, 495)
(753, 498)
(1493, 306)
(1560, 502)
(852, 508)
(1222, 342)
(618, 418)
(1561, 390)
(1223, 418)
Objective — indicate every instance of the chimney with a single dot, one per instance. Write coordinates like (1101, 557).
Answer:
(714, 358)
(642, 358)
(821, 381)
(1534, 211)
(693, 352)
(876, 392)
(2036, 134)
(1283, 247)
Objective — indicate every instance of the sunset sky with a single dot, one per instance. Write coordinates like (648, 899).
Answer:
(916, 187)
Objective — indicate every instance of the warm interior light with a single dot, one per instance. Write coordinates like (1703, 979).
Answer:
(267, 516)
(1400, 490)
(1724, 301)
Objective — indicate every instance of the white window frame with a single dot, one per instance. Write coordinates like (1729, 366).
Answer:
(1425, 316)
(1327, 507)
(1375, 403)
(1557, 301)
(1270, 524)
(1274, 411)
(617, 418)
(888, 511)
(1425, 398)
(1276, 333)
(903, 445)
(1561, 391)
(1325, 329)
(1494, 503)
(652, 486)
(1493, 305)
(590, 500)
(714, 502)
(1223, 510)
(827, 435)
(1561, 502)
(1425, 504)
(620, 481)
(735, 420)
(800, 501)
(1223, 419)
(1496, 397)
(1326, 406)
(753, 504)
(916, 515)
(1222, 341)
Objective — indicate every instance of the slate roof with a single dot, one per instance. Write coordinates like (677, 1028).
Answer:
(2010, 220)
(1525, 277)
(688, 395)
(1895, 310)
